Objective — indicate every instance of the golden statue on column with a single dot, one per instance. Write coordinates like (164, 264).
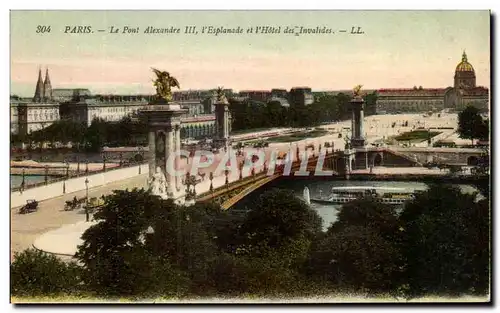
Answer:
(219, 93)
(164, 84)
(357, 91)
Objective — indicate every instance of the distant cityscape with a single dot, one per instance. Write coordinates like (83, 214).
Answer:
(49, 105)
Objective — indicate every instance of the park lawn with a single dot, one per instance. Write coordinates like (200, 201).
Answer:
(416, 135)
(247, 131)
(298, 136)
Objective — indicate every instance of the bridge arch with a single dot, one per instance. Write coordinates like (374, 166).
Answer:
(472, 160)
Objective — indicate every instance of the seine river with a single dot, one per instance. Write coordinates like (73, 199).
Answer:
(15, 180)
(319, 188)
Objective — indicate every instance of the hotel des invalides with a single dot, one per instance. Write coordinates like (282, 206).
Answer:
(80, 105)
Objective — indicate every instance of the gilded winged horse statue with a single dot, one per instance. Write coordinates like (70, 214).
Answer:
(164, 84)
(357, 91)
(219, 93)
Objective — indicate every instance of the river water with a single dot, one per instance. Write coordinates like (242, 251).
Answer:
(321, 188)
(16, 180)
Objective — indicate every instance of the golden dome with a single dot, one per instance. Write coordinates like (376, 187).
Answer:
(464, 66)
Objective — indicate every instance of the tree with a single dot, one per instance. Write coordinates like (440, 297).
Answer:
(360, 251)
(277, 217)
(470, 124)
(114, 251)
(356, 259)
(371, 104)
(446, 243)
(367, 212)
(34, 272)
(483, 131)
(146, 245)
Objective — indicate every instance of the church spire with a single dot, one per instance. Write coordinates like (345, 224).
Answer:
(464, 57)
(39, 87)
(47, 86)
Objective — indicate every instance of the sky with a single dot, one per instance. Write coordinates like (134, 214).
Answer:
(399, 49)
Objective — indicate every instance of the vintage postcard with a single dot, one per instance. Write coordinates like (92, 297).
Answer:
(250, 156)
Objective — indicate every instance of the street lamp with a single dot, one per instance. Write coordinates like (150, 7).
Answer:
(226, 172)
(103, 162)
(211, 177)
(240, 168)
(23, 181)
(46, 174)
(67, 170)
(87, 199)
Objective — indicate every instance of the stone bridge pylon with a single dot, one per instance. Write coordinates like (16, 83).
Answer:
(163, 118)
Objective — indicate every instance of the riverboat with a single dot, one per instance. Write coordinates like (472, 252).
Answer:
(387, 195)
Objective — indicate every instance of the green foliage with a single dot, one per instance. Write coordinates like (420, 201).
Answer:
(298, 136)
(250, 114)
(114, 251)
(34, 273)
(100, 133)
(446, 246)
(144, 246)
(356, 259)
(279, 216)
(360, 250)
(417, 135)
(471, 125)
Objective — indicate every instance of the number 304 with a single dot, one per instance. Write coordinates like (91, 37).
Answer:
(43, 29)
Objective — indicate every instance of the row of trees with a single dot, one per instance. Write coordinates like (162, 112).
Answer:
(245, 115)
(472, 126)
(89, 138)
(144, 246)
(251, 114)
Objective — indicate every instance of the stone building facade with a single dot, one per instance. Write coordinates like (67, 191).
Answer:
(463, 93)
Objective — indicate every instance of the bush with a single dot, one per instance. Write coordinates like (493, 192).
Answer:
(37, 273)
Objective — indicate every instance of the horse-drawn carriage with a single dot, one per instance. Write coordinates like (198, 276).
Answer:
(82, 202)
(31, 206)
(74, 204)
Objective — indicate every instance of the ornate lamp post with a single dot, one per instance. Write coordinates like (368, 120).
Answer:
(240, 168)
(211, 177)
(253, 172)
(78, 165)
(46, 174)
(188, 184)
(226, 172)
(67, 170)
(141, 153)
(23, 182)
(194, 186)
(265, 166)
(86, 166)
(87, 199)
(121, 159)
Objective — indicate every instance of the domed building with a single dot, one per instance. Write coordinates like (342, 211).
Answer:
(463, 93)
(465, 77)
